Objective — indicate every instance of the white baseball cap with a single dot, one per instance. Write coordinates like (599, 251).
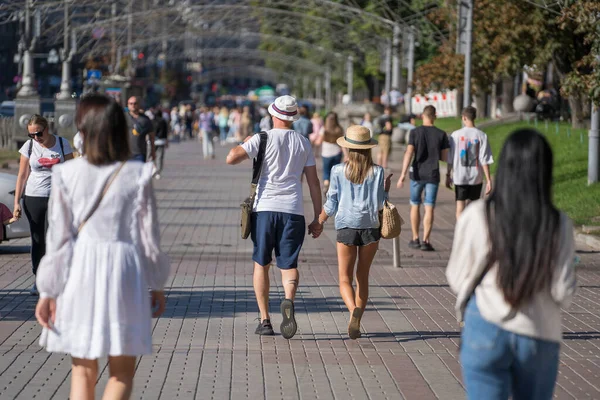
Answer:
(284, 108)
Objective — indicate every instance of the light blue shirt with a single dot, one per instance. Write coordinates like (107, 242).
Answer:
(354, 205)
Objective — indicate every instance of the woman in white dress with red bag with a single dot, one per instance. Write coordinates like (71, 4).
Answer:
(101, 279)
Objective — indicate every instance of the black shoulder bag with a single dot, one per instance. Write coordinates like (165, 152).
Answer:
(248, 204)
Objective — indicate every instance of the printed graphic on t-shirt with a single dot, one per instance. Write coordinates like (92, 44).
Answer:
(49, 162)
(469, 151)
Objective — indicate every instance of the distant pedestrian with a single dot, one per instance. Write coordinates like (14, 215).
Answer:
(206, 123)
(103, 255)
(385, 143)
(356, 221)
(265, 121)
(317, 124)
(141, 132)
(278, 215)
(427, 145)
(161, 142)
(39, 155)
(469, 160)
(331, 152)
(223, 121)
(512, 270)
(367, 123)
(303, 125)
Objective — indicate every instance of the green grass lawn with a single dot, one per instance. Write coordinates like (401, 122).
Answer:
(570, 147)
(8, 156)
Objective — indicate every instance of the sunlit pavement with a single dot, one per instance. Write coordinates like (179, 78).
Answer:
(205, 346)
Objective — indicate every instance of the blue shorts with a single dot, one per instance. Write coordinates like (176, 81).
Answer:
(416, 193)
(277, 231)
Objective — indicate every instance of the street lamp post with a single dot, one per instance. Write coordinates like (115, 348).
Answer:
(396, 57)
(594, 148)
(350, 77)
(328, 89)
(410, 66)
(67, 56)
(27, 44)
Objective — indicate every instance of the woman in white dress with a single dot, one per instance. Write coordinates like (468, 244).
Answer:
(102, 257)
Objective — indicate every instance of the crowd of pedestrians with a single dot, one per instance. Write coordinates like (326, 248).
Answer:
(100, 271)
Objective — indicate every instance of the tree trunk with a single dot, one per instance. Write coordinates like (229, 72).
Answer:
(508, 95)
(480, 105)
(494, 101)
(579, 111)
(459, 102)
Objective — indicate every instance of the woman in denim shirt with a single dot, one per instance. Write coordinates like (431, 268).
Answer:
(357, 192)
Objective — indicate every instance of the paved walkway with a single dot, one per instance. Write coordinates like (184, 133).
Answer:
(205, 347)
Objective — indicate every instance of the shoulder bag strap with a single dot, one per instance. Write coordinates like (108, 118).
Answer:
(30, 148)
(258, 164)
(99, 200)
(62, 147)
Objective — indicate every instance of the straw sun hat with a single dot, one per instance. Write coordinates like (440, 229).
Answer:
(357, 137)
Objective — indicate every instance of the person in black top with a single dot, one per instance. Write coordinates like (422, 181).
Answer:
(427, 145)
(161, 142)
(140, 130)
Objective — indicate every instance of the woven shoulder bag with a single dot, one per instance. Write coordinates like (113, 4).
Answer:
(391, 222)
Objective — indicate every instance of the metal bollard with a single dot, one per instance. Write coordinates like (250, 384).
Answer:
(396, 244)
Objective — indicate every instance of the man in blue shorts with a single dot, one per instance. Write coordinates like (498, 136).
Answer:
(278, 215)
(428, 145)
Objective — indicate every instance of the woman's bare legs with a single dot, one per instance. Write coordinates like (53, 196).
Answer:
(120, 383)
(84, 374)
(366, 254)
(346, 260)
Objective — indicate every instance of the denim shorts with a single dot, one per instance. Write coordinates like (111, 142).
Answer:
(416, 193)
(277, 231)
(358, 237)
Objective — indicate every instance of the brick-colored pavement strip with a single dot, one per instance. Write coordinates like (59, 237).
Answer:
(205, 346)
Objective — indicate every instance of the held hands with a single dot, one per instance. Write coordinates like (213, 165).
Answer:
(449, 182)
(315, 228)
(400, 183)
(45, 312)
(17, 211)
(158, 303)
(388, 183)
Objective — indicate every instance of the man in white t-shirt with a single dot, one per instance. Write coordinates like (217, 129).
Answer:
(469, 160)
(278, 215)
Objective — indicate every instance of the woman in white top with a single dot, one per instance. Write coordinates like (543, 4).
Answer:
(512, 270)
(331, 152)
(103, 256)
(38, 155)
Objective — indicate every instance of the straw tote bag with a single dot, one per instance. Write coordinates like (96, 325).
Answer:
(391, 222)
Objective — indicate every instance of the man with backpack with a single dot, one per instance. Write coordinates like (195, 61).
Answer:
(277, 220)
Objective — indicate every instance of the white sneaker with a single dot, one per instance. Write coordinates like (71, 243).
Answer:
(157, 177)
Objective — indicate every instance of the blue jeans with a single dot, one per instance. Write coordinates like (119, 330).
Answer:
(416, 193)
(497, 363)
(208, 149)
(139, 157)
(223, 132)
(328, 163)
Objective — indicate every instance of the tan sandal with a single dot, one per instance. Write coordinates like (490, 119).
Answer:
(354, 324)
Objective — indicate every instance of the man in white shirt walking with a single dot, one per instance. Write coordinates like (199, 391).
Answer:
(278, 213)
(469, 160)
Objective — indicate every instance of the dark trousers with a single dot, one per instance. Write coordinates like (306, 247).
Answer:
(36, 210)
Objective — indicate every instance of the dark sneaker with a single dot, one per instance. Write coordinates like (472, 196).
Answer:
(414, 244)
(33, 291)
(354, 325)
(426, 246)
(288, 326)
(265, 328)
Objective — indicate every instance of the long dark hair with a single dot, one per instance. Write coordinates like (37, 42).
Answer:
(104, 127)
(523, 222)
(332, 127)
